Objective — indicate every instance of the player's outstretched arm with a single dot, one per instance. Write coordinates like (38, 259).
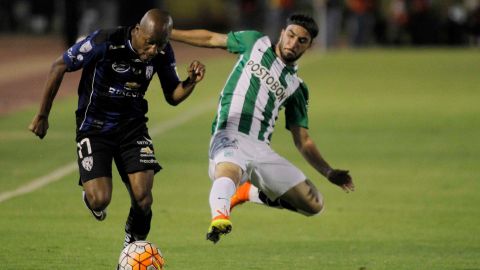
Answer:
(200, 38)
(196, 72)
(310, 152)
(39, 124)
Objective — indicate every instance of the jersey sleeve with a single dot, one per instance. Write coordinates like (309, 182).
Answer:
(296, 108)
(242, 41)
(167, 70)
(84, 52)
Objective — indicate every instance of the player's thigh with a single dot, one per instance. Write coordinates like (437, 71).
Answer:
(136, 154)
(227, 156)
(305, 197)
(275, 175)
(137, 165)
(94, 158)
(230, 170)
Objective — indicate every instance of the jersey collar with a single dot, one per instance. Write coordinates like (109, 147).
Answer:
(129, 39)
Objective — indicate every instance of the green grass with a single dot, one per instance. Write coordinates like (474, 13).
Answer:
(406, 123)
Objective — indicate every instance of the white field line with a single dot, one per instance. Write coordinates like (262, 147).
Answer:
(71, 167)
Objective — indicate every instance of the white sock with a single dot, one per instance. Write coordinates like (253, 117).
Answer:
(253, 195)
(222, 189)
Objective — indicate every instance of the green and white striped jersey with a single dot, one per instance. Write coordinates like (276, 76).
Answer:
(258, 87)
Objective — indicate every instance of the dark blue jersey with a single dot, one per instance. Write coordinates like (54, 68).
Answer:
(114, 80)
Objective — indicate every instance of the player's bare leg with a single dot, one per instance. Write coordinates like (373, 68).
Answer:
(227, 176)
(302, 198)
(97, 194)
(139, 218)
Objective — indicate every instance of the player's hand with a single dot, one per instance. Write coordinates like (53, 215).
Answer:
(342, 179)
(196, 71)
(39, 125)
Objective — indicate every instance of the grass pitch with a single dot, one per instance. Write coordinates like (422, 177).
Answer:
(406, 123)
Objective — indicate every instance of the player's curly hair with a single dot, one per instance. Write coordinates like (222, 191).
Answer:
(304, 21)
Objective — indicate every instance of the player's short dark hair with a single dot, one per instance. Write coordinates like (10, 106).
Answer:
(304, 21)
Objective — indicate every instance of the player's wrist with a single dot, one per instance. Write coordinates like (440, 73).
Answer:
(188, 82)
(328, 172)
(42, 115)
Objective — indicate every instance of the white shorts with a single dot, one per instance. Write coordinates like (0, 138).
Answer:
(267, 170)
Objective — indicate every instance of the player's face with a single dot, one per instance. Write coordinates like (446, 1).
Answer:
(294, 41)
(148, 43)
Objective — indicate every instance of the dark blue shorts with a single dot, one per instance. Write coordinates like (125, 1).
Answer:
(132, 151)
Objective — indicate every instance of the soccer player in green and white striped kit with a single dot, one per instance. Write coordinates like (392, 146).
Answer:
(243, 166)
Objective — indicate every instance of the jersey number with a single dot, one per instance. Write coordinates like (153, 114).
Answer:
(86, 142)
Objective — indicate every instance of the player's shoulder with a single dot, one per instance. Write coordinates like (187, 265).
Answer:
(303, 88)
(247, 35)
(168, 50)
(250, 33)
(244, 41)
(112, 35)
(166, 58)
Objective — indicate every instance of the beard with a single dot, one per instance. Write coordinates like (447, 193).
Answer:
(290, 58)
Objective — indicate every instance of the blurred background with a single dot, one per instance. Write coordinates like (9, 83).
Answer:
(344, 23)
(35, 32)
(404, 121)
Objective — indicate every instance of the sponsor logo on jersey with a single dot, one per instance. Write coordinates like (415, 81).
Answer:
(125, 93)
(148, 161)
(70, 53)
(87, 163)
(74, 58)
(270, 81)
(132, 85)
(86, 47)
(147, 141)
(120, 67)
(146, 152)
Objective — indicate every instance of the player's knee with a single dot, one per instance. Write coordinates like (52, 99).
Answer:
(144, 202)
(98, 200)
(313, 208)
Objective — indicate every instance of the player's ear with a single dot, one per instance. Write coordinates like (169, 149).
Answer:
(137, 27)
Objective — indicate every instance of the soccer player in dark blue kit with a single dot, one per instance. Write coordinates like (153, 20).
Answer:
(118, 65)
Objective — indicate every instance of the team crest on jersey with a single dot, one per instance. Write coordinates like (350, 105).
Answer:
(86, 47)
(120, 67)
(87, 163)
(149, 72)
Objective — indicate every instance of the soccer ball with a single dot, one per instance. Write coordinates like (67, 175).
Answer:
(141, 255)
